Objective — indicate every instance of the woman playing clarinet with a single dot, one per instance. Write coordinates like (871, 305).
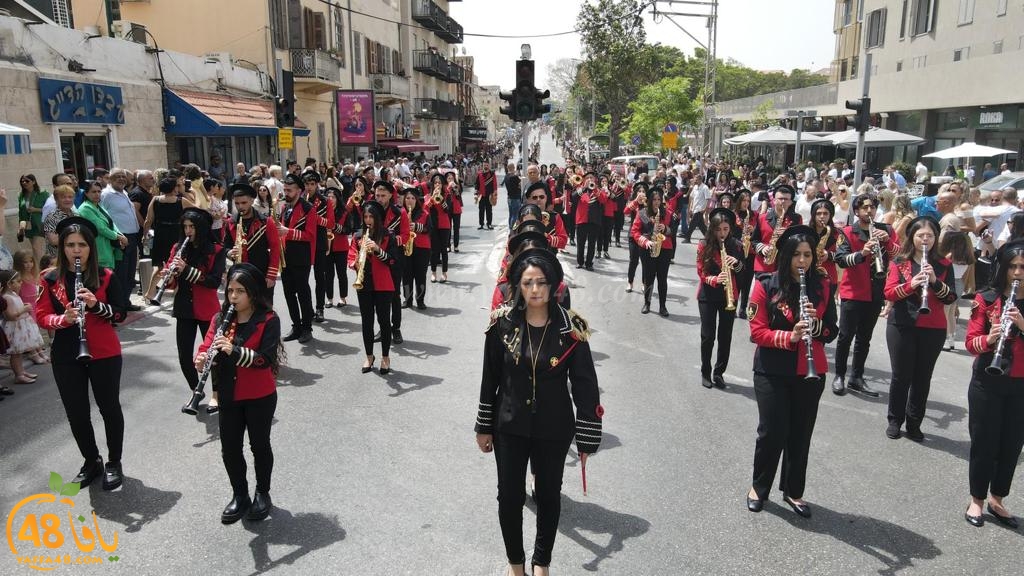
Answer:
(715, 304)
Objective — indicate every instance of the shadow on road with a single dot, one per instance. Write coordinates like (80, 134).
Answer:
(305, 531)
(421, 350)
(894, 546)
(405, 382)
(436, 312)
(580, 519)
(292, 376)
(608, 441)
(134, 505)
(323, 349)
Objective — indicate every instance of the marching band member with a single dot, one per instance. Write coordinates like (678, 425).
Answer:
(325, 221)
(829, 237)
(648, 227)
(996, 400)
(297, 226)
(861, 290)
(455, 189)
(607, 219)
(745, 231)
(396, 220)
(554, 227)
(915, 335)
(619, 197)
(377, 248)
(636, 204)
(260, 245)
(344, 213)
(57, 309)
(713, 302)
(440, 226)
(486, 190)
(417, 262)
(249, 353)
(196, 274)
(772, 225)
(589, 213)
(537, 366)
(785, 381)
(529, 233)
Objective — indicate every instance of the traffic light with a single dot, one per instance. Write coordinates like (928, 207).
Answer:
(525, 102)
(284, 104)
(509, 110)
(862, 121)
(540, 108)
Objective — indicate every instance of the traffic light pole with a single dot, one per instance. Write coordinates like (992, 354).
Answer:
(859, 160)
(524, 146)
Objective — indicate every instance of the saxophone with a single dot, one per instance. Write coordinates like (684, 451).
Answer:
(272, 222)
(745, 237)
(657, 238)
(730, 303)
(769, 258)
(409, 243)
(361, 261)
(239, 239)
(822, 245)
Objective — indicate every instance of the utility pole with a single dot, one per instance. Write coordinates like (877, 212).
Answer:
(862, 130)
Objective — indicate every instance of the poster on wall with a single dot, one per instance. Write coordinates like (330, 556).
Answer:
(356, 125)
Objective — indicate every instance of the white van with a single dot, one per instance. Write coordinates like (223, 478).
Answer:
(618, 164)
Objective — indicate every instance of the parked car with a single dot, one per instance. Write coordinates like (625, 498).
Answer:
(1014, 179)
(618, 164)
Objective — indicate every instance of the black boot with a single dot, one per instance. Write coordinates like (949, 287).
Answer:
(318, 316)
(406, 296)
(261, 506)
(839, 385)
(112, 476)
(293, 335)
(306, 335)
(235, 509)
(421, 296)
(396, 336)
(89, 471)
(647, 300)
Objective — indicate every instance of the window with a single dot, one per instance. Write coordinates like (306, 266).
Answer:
(847, 12)
(876, 28)
(842, 70)
(61, 14)
(1001, 7)
(961, 54)
(357, 57)
(997, 47)
(920, 61)
(339, 34)
(922, 17)
(315, 30)
(853, 66)
(903, 20)
(966, 14)
(899, 65)
(279, 22)
(860, 10)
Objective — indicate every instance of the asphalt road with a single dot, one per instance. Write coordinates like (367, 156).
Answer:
(381, 475)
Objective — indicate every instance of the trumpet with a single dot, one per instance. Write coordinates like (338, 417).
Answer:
(812, 373)
(357, 197)
(83, 342)
(996, 367)
(575, 180)
(730, 303)
(361, 261)
(192, 406)
(409, 247)
(171, 271)
(438, 196)
(924, 309)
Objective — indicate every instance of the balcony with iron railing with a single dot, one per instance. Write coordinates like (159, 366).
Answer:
(390, 86)
(431, 63)
(308, 64)
(432, 108)
(434, 18)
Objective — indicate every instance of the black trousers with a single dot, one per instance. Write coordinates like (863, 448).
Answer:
(185, 336)
(620, 221)
(696, 221)
(606, 234)
(485, 211)
(710, 314)
(375, 305)
(397, 273)
(323, 268)
(439, 240)
(634, 260)
(547, 460)
(456, 224)
(586, 239)
(656, 269)
(856, 319)
(73, 382)
(416, 273)
(339, 265)
(996, 423)
(255, 416)
(569, 219)
(295, 280)
(786, 408)
(913, 353)
(125, 268)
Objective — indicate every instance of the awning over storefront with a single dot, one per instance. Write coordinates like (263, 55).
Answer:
(198, 113)
(403, 145)
(14, 140)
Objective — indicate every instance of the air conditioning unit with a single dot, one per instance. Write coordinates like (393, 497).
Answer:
(131, 31)
(221, 57)
(382, 84)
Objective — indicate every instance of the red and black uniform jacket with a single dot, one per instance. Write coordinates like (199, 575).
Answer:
(609, 206)
(456, 190)
(554, 229)
(248, 373)
(420, 224)
(58, 294)
(441, 213)
(195, 295)
(771, 326)
(300, 240)
(397, 222)
(827, 256)
(859, 282)
(753, 219)
(591, 207)
(377, 275)
(346, 219)
(643, 229)
(620, 199)
(986, 311)
(325, 219)
(766, 228)
(486, 185)
(512, 402)
(262, 247)
(907, 300)
(709, 266)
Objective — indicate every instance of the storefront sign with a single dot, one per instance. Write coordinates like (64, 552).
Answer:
(1005, 117)
(66, 101)
(355, 117)
(285, 139)
(474, 133)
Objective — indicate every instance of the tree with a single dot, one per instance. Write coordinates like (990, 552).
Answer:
(561, 78)
(658, 104)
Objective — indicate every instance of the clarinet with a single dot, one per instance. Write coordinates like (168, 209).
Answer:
(192, 406)
(924, 309)
(996, 367)
(162, 286)
(812, 374)
(83, 342)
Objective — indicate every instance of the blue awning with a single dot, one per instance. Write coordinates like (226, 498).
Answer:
(14, 140)
(214, 114)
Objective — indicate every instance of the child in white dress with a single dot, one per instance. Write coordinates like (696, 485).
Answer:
(19, 326)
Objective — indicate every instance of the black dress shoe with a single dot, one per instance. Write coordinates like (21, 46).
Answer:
(89, 471)
(646, 309)
(706, 382)
(976, 521)
(914, 432)
(663, 312)
(802, 510)
(318, 316)
(893, 431)
(421, 305)
(406, 303)
(235, 509)
(839, 386)
(368, 369)
(1008, 521)
(719, 382)
(261, 506)
(329, 304)
(396, 336)
(112, 476)
(133, 308)
(859, 385)
(754, 504)
(293, 335)
(590, 267)
(306, 335)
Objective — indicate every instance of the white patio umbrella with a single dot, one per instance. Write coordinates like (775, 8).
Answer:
(775, 135)
(14, 140)
(874, 138)
(968, 150)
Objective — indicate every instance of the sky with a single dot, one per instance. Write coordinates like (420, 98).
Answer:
(742, 27)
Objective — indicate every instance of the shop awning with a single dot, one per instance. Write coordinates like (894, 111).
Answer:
(14, 140)
(212, 114)
(403, 145)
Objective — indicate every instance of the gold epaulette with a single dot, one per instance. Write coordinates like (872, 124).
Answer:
(579, 327)
(498, 313)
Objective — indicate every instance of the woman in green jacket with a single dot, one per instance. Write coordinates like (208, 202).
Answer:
(30, 214)
(106, 254)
